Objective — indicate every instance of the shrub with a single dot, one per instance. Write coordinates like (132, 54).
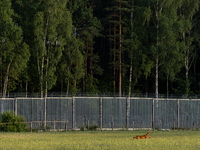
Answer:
(13, 121)
(93, 127)
(82, 128)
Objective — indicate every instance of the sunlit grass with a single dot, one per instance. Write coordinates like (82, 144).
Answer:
(166, 140)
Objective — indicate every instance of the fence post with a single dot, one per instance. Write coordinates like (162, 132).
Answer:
(112, 125)
(174, 122)
(153, 114)
(73, 113)
(66, 126)
(54, 125)
(177, 113)
(16, 106)
(88, 125)
(133, 125)
(100, 112)
(127, 111)
(45, 112)
(193, 125)
(31, 126)
(27, 120)
(58, 125)
(138, 122)
(84, 121)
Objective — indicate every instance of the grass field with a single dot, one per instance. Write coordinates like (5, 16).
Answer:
(120, 140)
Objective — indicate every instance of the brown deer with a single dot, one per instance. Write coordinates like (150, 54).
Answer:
(142, 136)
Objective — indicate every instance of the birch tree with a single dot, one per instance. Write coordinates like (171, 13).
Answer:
(139, 63)
(25, 17)
(49, 43)
(14, 53)
(164, 20)
(187, 13)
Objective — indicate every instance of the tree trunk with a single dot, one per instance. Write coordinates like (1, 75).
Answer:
(68, 82)
(167, 84)
(43, 55)
(146, 87)
(110, 44)
(5, 87)
(120, 51)
(67, 86)
(85, 69)
(156, 77)
(130, 77)
(61, 87)
(186, 59)
(75, 78)
(26, 88)
(91, 70)
(131, 67)
(46, 88)
(186, 66)
(41, 76)
(6, 81)
(114, 74)
(157, 25)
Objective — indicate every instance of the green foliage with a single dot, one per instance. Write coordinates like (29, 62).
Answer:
(52, 30)
(64, 45)
(82, 128)
(91, 128)
(14, 52)
(13, 121)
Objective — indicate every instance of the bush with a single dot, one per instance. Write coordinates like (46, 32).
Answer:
(82, 128)
(93, 127)
(13, 121)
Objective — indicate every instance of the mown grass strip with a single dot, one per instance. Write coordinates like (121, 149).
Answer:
(97, 140)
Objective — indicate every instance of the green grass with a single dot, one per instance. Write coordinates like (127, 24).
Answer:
(166, 140)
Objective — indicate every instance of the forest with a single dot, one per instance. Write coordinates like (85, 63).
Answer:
(99, 46)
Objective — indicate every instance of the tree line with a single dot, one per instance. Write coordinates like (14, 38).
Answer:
(117, 46)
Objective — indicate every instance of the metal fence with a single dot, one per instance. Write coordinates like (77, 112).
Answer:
(119, 112)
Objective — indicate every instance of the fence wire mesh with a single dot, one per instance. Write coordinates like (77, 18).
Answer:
(114, 110)
(141, 112)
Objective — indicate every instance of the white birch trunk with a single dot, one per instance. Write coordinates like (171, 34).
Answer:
(5, 87)
(167, 84)
(131, 67)
(156, 84)
(157, 25)
(47, 73)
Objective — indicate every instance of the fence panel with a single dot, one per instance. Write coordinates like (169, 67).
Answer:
(189, 114)
(86, 109)
(165, 114)
(32, 109)
(140, 113)
(59, 109)
(114, 110)
(7, 104)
